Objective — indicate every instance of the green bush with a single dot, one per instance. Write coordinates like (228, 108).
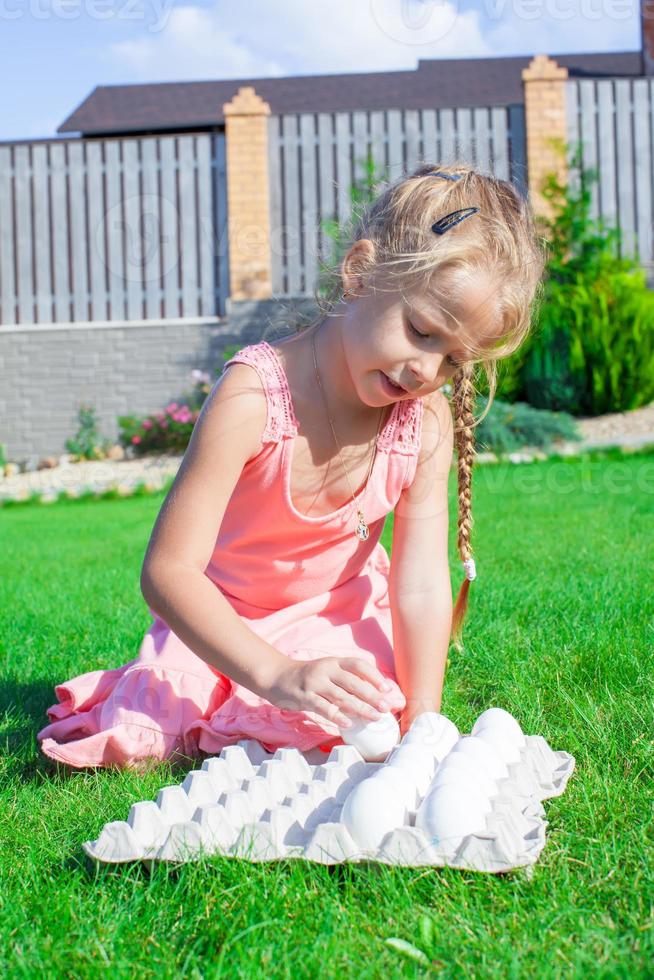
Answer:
(592, 346)
(88, 443)
(509, 427)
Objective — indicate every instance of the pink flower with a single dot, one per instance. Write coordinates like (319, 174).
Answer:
(172, 407)
(136, 440)
(164, 425)
(147, 424)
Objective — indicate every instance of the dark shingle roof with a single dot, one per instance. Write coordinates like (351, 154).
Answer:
(174, 106)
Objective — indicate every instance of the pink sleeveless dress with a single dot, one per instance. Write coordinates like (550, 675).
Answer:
(307, 585)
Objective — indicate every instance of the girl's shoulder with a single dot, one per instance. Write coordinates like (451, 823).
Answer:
(281, 419)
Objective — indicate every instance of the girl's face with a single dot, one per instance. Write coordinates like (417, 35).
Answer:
(413, 340)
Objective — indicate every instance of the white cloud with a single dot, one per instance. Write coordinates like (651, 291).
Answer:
(564, 26)
(291, 37)
(272, 38)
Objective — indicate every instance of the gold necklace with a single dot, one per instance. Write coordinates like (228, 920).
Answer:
(362, 531)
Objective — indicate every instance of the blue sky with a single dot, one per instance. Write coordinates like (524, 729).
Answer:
(54, 52)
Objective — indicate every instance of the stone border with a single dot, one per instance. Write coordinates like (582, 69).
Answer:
(147, 476)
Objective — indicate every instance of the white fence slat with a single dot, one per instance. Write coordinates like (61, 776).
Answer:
(587, 94)
(113, 231)
(7, 257)
(644, 167)
(411, 139)
(482, 139)
(343, 166)
(133, 230)
(274, 195)
(500, 143)
(97, 253)
(221, 249)
(327, 182)
(606, 136)
(151, 229)
(42, 276)
(205, 217)
(188, 247)
(573, 131)
(291, 204)
(626, 168)
(449, 153)
(359, 144)
(78, 240)
(464, 136)
(378, 140)
(395, 144)
(24, 219)
(430, 153)
(170, 218)
(309, 200)
(59, 233)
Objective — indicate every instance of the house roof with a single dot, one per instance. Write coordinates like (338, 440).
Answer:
(437, 83)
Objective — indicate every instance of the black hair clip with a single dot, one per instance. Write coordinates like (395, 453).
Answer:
(439, 173)
(451, 219)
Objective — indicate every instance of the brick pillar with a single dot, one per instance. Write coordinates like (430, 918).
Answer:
(248, 207)
(647, 28)
(545, 119)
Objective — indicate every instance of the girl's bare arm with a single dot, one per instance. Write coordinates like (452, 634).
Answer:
(226, 435)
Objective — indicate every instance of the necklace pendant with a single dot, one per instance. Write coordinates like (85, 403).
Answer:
(362, 532)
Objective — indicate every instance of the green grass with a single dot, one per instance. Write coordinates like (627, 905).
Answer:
(560, 632)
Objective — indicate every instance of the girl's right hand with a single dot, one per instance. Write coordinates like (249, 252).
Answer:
(335, 687)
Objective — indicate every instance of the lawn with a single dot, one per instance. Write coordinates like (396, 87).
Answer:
(560, 632)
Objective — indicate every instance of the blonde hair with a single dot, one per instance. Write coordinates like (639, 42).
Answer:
(501, 240)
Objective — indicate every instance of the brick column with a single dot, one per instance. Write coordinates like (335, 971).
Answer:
(545, 120)
(248, 207)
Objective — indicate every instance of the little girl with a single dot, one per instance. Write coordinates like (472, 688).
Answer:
(277, 613)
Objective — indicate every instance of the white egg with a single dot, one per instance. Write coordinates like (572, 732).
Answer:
(404, 784)
(417, 762)
(504, 745)
(371, 810)
(466, 770)
(450, 812)
(484, 754)
(435, 732)
(373, 739)
(499, 720)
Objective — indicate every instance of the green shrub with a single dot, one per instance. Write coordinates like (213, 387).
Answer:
(88, 443)
(592, 346)
(508, 427)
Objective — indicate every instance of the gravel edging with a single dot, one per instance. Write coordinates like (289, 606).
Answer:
(149, 474)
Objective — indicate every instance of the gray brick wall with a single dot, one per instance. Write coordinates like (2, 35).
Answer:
(126, 369)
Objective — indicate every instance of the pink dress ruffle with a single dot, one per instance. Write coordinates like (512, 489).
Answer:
(306, 585)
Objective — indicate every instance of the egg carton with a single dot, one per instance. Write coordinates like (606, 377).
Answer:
(251, 804)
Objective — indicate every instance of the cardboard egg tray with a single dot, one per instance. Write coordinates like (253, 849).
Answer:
(248, 803)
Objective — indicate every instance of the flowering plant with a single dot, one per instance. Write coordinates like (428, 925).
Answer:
(169, 430)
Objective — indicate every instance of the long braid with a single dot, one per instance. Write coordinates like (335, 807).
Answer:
(463, 397)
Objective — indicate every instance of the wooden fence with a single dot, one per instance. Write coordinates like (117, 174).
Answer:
(614, 120)
(113, 229)
(314, 158)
